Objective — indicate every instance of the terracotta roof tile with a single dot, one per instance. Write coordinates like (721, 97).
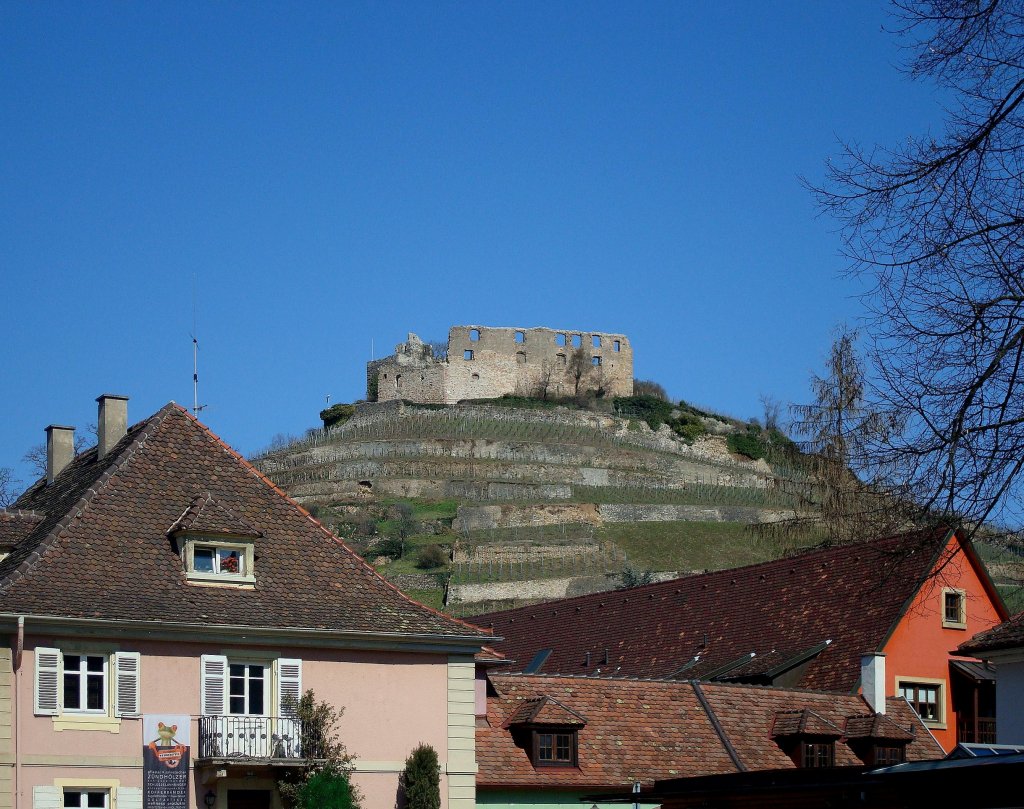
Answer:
(15, 526)
(102, 549)
(750, 620)
(651, 730)
(544, 710)
(803, 722)
(206, 516)
(875, 726)
(1007, 635)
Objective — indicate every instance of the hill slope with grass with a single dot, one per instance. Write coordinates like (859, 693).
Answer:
(483, 505)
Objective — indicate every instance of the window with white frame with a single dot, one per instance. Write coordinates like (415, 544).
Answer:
(228, 561)
(85, 683)
(239, 687)
(77, 682)
(82, 798)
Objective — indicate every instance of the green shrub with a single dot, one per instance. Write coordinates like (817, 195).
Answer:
(421, 780)
(430, 557)
(391, 547)
(653, 410)
(688, 427)
(748, 443)
(337, 414)
(328, 788)
(372, 386)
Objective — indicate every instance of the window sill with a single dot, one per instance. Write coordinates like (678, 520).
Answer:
(109, 724)
(953, 625)
(221, 579)
(934, 725)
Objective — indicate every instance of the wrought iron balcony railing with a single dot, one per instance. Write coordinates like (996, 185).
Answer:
(258, 737)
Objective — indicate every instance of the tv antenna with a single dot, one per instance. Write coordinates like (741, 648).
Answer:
(196, 407)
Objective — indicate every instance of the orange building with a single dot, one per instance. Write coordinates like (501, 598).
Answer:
(803, 621)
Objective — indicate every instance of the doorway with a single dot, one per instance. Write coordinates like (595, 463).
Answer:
(248, 799)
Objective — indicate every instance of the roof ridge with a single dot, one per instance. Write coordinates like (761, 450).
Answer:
(79, 506)
(248, 466)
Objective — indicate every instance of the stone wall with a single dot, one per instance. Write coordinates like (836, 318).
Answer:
(485, 363)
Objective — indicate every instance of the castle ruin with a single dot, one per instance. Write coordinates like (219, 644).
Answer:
(485, 363)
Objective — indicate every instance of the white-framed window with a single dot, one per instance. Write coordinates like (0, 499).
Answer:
(77, 682)
(85, 683)
(82, 798)
(227, 561)
(240, 687)
(927, 696)
(954, 608)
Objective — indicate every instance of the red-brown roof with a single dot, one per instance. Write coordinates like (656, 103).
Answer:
(15, 526)
(827, 606)
(1008, 635)
(102, 548)
(646, 730)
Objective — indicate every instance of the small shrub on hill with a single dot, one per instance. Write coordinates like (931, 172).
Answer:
(391, 547)
(430, 557)
(748, 443)
(648, 387)
(651, 409)
(337, 414)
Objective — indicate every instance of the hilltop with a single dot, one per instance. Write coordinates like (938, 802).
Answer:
(530, 499)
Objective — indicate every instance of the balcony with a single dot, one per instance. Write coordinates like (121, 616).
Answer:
(268, 738)
(979, 730)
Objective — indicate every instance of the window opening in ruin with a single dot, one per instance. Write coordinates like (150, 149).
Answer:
(560, 339)
(616, 345)
(398, 381)
(521, 357)
(596, 340)
(577, 341)
(467, 354)
(595, 361)
(561, 359)
(476, 377)
(520, 337)
(474, 334)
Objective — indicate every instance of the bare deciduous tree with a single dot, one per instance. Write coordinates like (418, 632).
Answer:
(8, 486)
(579, 368)
(937, 226)
(835, 429)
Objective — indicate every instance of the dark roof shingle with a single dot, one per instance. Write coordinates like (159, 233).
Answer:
(102, 548)
(828, 606)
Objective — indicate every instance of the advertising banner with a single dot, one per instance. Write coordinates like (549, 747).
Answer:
(165, 761)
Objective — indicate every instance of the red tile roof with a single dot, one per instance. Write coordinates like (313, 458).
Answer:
(15, 526)
(828, 606)
(875, 726)
(1008, 635)
(544, 710)
(657, 729)
(102, 548)
(803, 722)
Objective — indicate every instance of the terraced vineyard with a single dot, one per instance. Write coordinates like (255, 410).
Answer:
(489, 506)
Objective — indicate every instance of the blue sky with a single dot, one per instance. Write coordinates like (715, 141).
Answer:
(331, 176)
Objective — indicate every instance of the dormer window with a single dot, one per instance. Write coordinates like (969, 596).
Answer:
(877, 740)
(554, 748)
(216, 546)
(821, 753)
(806, 737)
(208, 559)
(548, 731)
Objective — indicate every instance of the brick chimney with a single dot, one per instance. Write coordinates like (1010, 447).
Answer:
(872, 680)
(60, 449)
(112, 421)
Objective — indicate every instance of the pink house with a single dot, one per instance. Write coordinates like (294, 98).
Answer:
(160, 578)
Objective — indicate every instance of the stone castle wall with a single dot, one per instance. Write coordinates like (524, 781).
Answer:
(485, 363)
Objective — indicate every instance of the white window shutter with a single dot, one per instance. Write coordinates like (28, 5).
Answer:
(127, 676)
(129, 798)
(214, 673)
(48, 681)
(289, 685)
(47, 797)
